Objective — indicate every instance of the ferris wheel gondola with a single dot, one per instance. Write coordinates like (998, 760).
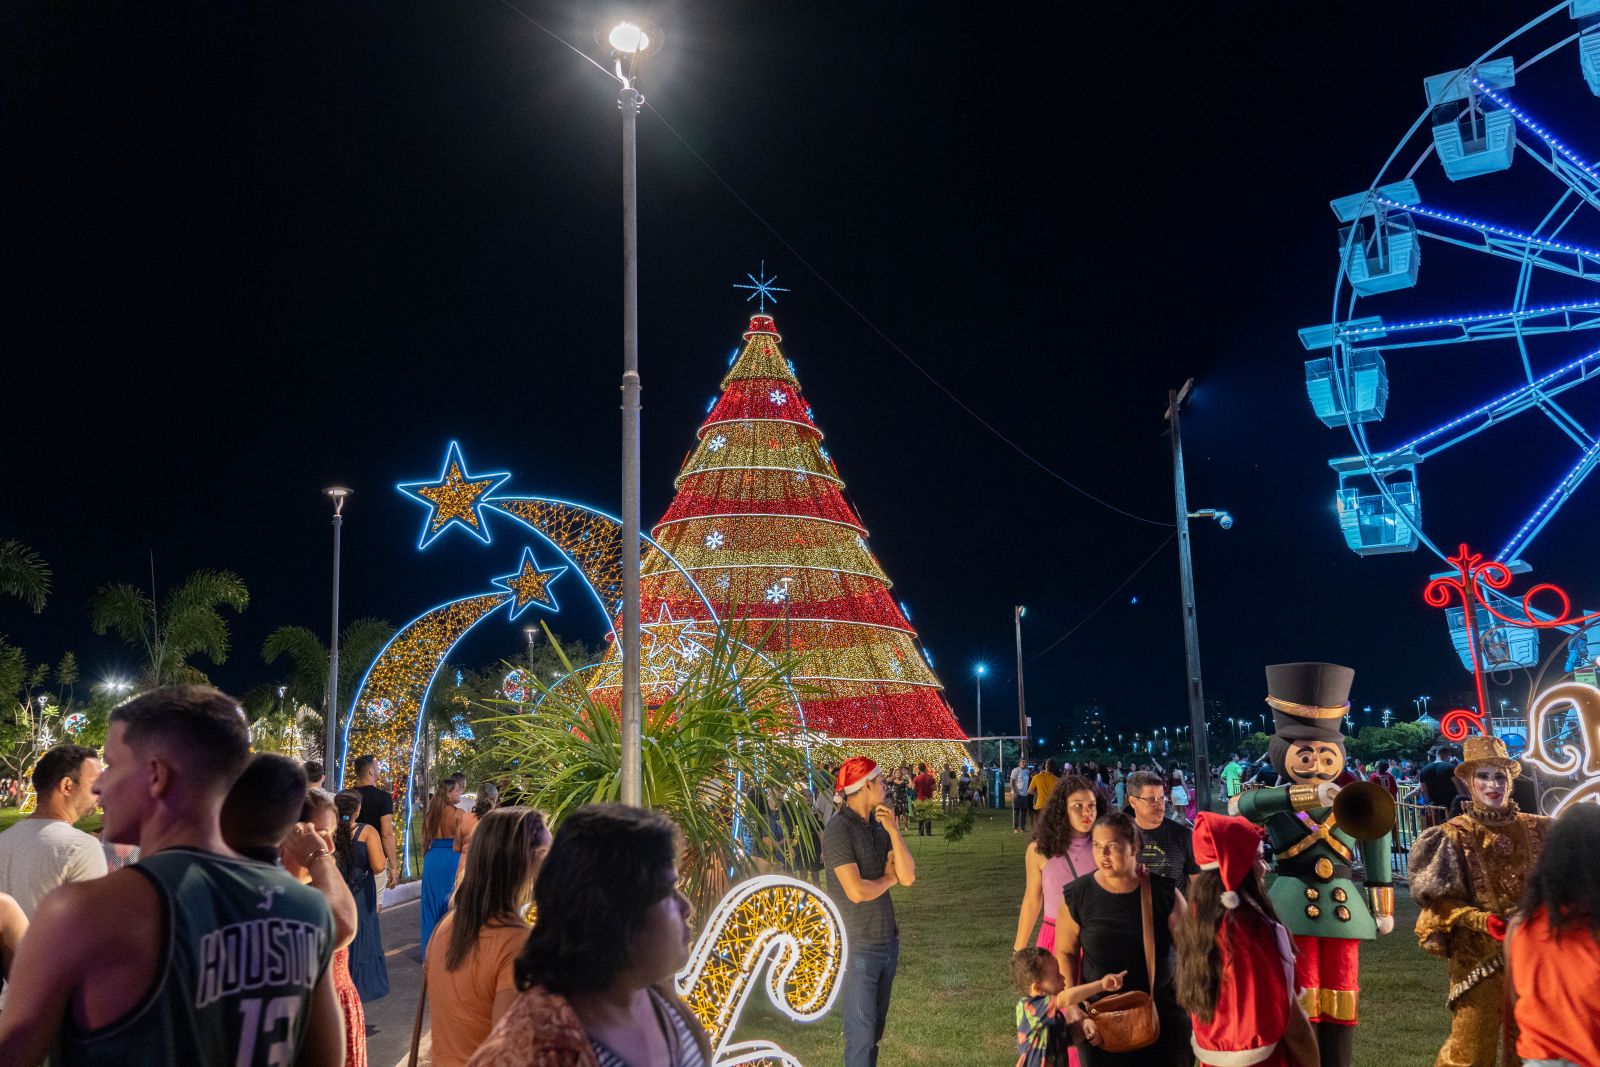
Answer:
(1495, 182)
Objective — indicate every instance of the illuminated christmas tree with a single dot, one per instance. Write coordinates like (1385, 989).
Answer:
(760, 522)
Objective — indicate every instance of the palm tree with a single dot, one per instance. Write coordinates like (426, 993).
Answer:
(722, 745)
(307, 683)
(24, 574)
(189, 623)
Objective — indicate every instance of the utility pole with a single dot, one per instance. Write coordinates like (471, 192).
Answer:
(1191, 632)
(1022, 703)
(333, 765)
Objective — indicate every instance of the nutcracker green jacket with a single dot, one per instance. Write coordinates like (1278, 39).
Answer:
(1313, 857)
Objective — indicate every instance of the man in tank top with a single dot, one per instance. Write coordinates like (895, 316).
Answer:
(194, 955)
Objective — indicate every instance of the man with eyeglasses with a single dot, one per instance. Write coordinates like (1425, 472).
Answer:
(1167, 844)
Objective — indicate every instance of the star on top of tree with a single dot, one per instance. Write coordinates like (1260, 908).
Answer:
(454, 498)
(761, 289)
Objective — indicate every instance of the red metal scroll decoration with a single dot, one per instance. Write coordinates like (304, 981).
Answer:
(1471, 572)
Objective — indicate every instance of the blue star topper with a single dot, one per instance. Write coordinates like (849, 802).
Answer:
(762, 288)
(455, 498)
(530, 586)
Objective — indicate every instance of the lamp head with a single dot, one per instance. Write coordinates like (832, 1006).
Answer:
(982, 669)
(628, 41)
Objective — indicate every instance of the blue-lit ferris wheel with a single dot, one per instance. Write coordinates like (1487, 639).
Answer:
(1499, 181)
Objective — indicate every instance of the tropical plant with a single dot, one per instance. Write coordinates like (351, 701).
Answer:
(305, 689)
(33, 719)
(189, 623)
(718, 755)
(24, 574)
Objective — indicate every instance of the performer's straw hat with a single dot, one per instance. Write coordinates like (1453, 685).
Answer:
(1479, 751)
(1309, 699)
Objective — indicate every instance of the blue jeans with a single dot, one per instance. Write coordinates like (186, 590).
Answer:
(864, 1000)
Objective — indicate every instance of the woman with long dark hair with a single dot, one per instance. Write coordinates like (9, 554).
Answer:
(1103, 916)
(358, 850)
(471, 963)
(1058, 854)
(596, 972)
(441, 822)
(1235, 959)
(318, 810)
(1553, 947)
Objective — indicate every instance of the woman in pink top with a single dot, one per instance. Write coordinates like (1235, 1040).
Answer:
(1060, 853)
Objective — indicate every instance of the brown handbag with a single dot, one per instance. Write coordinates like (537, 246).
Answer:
(1128, 1021)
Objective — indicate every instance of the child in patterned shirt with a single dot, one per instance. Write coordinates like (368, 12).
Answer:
(1047, 1010)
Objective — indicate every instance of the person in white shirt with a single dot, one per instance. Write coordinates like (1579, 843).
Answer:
(45, 850)
(1021, 802)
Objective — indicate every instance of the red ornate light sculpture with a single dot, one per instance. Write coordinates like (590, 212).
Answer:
(1472, 573)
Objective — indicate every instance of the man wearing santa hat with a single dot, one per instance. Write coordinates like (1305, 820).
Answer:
(865, 857)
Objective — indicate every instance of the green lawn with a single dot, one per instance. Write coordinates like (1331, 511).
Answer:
(953, 1000)
(90, 823)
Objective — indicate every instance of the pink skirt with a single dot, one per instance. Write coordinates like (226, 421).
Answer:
(1047, 936)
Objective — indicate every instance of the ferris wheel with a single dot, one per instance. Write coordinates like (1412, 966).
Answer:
(1489, 350)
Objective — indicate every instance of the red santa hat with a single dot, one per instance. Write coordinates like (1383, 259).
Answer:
(856, 772)
(1228, 845)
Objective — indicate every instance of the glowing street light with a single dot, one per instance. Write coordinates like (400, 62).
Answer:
(330, 752)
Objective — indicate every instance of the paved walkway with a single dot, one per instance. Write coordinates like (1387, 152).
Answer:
(394, 1014)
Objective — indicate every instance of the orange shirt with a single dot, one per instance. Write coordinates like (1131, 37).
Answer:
(460, 1002)
(1558, 1018)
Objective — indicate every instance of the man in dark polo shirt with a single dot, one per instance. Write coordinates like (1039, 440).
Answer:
(1166, 845)
(865, 857)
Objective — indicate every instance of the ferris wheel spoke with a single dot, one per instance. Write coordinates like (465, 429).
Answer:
(1551, 504)
(1454, 329)
(1566, 164)
(1506, 242)
(1536, 393)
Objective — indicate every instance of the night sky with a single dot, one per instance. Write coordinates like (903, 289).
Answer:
(250, 251)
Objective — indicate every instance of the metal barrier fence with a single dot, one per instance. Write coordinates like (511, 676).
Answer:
(1410, 819)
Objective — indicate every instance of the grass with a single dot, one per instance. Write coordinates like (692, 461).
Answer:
(953, 1001)
(89, 823)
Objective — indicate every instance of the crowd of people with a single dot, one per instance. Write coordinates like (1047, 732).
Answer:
(228, 915)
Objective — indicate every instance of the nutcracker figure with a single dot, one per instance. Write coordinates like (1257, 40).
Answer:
(1468, 875)
(1316, 830)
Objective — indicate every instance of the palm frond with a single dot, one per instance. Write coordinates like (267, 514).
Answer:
(24, 574)
(124, 609)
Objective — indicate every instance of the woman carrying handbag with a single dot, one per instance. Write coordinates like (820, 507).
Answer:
(1122, 918)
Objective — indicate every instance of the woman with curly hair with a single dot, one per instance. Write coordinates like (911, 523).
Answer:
(596, 973)
(1058, 853)
(1553, 948)
(1235, 959)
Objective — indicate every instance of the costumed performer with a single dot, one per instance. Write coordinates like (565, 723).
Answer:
(1468, 875)
(1314, 854)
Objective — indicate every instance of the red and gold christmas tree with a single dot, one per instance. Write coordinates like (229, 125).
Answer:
(760, 518)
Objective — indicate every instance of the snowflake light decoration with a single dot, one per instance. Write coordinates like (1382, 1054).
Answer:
(775, 593)
(714, 539)
(778, 397)
(761, 289)
(717, 443)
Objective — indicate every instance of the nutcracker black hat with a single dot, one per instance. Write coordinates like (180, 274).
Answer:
(1309, 699)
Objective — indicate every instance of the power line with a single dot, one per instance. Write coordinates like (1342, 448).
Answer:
(1107, 600)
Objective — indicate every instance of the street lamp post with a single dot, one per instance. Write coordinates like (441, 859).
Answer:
(629, 42)
(1022, 704)
(530, 632)
(978, 672)
(787, 647)
(330, 751)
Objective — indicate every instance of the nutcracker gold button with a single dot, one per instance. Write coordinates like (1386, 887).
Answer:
(1324, 868)
(1342, 913)
(1340, 896)
(1312, 893)
(1312, 911)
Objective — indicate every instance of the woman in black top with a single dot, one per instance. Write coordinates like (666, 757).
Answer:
(1103, 917)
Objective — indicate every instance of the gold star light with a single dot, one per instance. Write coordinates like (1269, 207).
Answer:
(529, 585)
(456, 497)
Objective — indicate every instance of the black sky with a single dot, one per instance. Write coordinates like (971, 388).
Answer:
(253, 250)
